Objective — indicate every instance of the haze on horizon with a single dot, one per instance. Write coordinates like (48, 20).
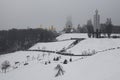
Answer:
(33, 13)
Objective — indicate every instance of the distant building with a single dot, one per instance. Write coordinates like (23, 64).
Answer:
(69, 26)
(69, 22)
(51, 28)
(96, 21)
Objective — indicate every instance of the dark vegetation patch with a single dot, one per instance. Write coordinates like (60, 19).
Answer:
(22, 39)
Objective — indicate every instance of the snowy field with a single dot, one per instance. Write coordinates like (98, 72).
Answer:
(37, 65)
(53, 46)
(103, 66)
(73, 35)
(93, 44)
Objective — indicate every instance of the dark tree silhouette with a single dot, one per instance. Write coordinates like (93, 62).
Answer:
(90, 29)
(22, 39)
(109, 27)
(65, 61)
(70, 59)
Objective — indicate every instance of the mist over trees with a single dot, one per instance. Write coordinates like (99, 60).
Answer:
(81, 29)
(106, 29)
(90, 29)
(109, 27)
(22, 39)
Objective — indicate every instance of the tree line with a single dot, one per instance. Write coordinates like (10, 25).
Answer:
(106, 29)
(22, 39)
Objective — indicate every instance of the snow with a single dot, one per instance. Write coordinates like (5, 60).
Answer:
(53, 46)
(92, 44)
(35, 69)
(100, 66)
(103, 66)
(71, 35)
(115, 34)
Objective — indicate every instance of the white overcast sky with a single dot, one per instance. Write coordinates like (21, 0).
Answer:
(33, 13)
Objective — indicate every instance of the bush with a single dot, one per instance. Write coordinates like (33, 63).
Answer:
(88, 52)
(65, 61)
(5, 66)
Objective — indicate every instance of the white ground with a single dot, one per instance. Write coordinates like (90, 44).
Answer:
(73, 35)
(92, 44)
(53, 46)
(101, 66)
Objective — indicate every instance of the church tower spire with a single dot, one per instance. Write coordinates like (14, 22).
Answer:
(96, 21)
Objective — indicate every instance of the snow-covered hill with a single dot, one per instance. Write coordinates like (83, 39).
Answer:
(53, 46)
(93, 44)
(71, 35)
(103, 66)
(37, 65)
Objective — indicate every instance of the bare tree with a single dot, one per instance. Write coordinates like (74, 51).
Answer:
(109, 27)
(90, 29)
(60, 70)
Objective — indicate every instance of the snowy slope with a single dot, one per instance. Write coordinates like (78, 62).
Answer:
(53, 46)
(36, 68)
(91, 44)
(18, 56)
(71, 35)
(103, 66)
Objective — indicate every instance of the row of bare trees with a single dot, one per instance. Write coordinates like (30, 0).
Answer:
(104, 29)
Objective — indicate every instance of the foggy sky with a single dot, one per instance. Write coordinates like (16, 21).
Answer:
(33, 13)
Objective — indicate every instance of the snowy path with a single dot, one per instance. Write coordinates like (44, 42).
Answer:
(71, 45)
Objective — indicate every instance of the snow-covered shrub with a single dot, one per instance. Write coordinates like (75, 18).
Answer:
(33, 58)
(5, 65)
(38, 48)
(17, 63)
(43, 48)
(43, 55)
(85, 53)
(93, 52)
(38, 57)
(28, 58)
(88, 52)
